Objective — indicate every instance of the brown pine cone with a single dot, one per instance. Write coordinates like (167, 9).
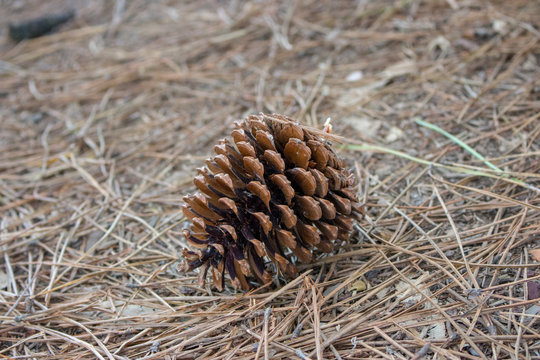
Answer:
(267, 200)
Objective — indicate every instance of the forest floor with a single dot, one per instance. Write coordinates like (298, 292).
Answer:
(104, 122)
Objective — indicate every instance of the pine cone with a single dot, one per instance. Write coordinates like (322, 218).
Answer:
(268, 199)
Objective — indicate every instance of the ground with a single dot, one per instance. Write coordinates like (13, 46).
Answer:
(435, 106)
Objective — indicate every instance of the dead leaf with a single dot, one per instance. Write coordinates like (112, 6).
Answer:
(535, 254)
(437, 331)
(440, 43)
(533, 290)
(365, 126)
(355, 95)
(409, 294)
(136, 310)
(401, 68)
(394, 134)
(4, 280)
(358, 285)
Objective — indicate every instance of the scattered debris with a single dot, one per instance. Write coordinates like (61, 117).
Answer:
(39, 26)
